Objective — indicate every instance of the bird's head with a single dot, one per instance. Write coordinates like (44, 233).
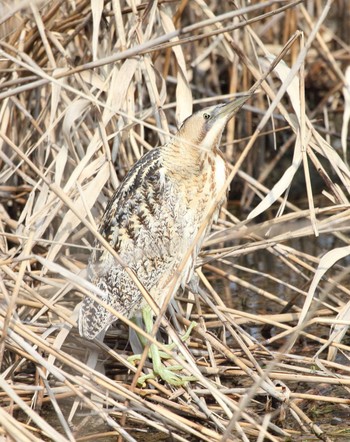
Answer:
(204, 128)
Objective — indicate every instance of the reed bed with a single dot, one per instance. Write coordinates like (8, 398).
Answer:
(86, 88)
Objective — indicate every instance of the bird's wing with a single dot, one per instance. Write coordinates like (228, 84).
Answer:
(131, 226)
(130, 206)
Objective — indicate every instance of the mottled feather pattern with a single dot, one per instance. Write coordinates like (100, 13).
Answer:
(151, 221)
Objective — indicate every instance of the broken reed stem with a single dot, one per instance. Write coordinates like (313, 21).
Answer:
(70, 129)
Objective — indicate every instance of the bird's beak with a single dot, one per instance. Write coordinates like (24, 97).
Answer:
(228, 110)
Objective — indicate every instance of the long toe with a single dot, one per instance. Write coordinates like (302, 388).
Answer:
(169, 376)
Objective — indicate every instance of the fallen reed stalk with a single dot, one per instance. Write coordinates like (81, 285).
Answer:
(86, 88)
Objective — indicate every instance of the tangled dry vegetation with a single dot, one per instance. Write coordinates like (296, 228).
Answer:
(88, 86)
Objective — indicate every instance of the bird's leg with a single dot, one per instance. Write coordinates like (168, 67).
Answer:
(166, 373)
(163, 355)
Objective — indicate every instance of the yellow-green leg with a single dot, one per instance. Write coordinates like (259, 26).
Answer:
(159, 369)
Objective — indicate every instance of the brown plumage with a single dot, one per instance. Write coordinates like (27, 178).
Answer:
(154, 217)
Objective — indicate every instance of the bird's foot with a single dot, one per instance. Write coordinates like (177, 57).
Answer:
(132, 359)
(135, 358)
(167, 374)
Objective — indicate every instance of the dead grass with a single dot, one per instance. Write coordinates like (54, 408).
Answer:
(87, 87)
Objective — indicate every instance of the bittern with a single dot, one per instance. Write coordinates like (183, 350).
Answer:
(153, 219)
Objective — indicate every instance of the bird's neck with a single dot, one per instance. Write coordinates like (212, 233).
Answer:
(184, 160)
(198, 175)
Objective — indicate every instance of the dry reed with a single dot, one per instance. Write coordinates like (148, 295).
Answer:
(86, 88)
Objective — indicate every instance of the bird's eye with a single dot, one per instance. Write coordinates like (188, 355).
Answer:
(206, 116)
